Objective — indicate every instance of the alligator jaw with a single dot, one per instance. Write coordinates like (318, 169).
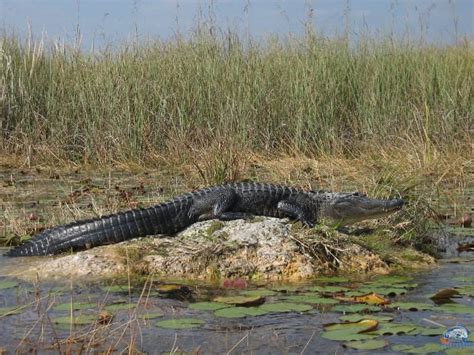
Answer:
(352, 208)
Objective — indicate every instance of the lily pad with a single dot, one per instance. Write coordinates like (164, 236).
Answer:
(328, 289)
(357, 317)
(455, 351)
(208, 306)
(391, 292)
(466, 290)
(391, 279)
(313, 299)
(9, 311)
(455, 308)
(367, 344)
(81, 319)
(285, 307)
(354, 308)
(394, 329)
(384, 291)
(150, 315)
(119, 306)
(381, 285)
(363, 325)
(411, 306)
(409, 286)
(181, 323)
(355, 293)
(346, 335)
(431, 331)
(5, 284)
(425, 349)
(116, 289)
(331, 279)
(285, 288)
(243, 301)
(239, 312)
(57, 291)
(259, 292)
(74, 306)
(370, 298)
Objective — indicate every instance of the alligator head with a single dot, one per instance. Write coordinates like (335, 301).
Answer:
(347, 208)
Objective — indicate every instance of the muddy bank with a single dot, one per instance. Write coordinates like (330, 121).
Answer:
(259, 249)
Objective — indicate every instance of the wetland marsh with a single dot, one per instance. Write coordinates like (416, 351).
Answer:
(88, 134)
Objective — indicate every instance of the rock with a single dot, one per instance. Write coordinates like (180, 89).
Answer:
(259, 249)
(91, 264)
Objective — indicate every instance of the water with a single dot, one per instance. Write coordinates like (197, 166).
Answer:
(275, 333)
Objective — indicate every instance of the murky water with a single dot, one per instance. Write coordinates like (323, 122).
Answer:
(45, 199)
(35, 327)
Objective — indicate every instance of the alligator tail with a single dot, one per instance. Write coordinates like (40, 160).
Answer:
(98, 231)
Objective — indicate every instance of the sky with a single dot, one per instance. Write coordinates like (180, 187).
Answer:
(109, 22)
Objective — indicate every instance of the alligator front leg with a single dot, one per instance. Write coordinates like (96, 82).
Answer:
(295, 211)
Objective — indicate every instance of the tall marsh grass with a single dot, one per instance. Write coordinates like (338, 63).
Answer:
(215, 94)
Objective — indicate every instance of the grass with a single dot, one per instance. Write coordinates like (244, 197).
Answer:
(212, 101)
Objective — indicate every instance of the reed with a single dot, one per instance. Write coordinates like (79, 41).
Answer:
(209, 94)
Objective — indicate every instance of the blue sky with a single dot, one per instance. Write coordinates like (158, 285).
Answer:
(111, 22)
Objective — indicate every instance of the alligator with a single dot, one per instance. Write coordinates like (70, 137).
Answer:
(224, 202)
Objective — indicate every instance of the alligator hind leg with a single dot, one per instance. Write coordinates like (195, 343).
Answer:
(295, 211)
(216, 206)
(224, 202)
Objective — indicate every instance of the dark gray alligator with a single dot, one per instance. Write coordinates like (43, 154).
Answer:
(225, 202)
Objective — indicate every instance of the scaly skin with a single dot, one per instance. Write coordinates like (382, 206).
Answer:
(225, 202)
